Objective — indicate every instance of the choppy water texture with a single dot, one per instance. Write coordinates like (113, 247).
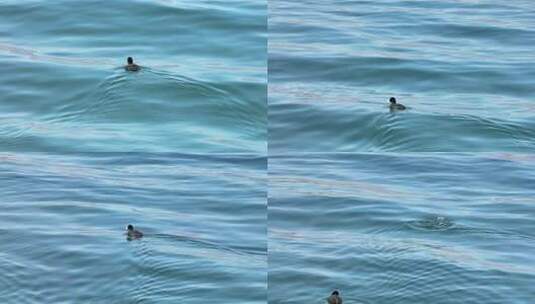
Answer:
(63, 220)
(202, 88)
(464, 68)
(428, 228)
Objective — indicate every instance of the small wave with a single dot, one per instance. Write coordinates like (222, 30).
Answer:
(165, 97)
(325, 129)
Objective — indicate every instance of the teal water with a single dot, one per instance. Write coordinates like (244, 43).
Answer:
(66, 104)
(402, 228)
(63, 220)
(179, 149)
(357, 201)
(202, 88)
(464, 69)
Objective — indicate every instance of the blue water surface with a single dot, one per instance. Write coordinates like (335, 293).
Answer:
(463, 68)
(402, 228)
(202, 87)
(64, 217)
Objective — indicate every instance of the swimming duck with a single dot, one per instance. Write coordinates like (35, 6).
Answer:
(334, 298)
(131, 66)
(394, 106)
(132, 233)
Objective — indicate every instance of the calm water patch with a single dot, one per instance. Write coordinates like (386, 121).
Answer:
(402, 228)
(64, 218)
(463, 68)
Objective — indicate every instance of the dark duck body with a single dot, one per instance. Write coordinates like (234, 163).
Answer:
(334, 298)
(394, 106)
(132, 233)
(131, 66)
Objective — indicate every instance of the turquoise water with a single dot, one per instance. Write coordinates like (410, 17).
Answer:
(63, 220)
(355, 198)
(202, 89)
(464, 69)
(402, 228)
(357, 201)
(67, 104)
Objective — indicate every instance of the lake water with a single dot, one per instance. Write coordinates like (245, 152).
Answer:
(402, 228)
(64, 217)
(464, 68)
(202, 88)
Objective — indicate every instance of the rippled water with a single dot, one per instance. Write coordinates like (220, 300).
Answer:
(402, 228)
(202, 88)
(344, 211)
(464, 69)
(64, 93)
(63, 220)
(179, 149)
